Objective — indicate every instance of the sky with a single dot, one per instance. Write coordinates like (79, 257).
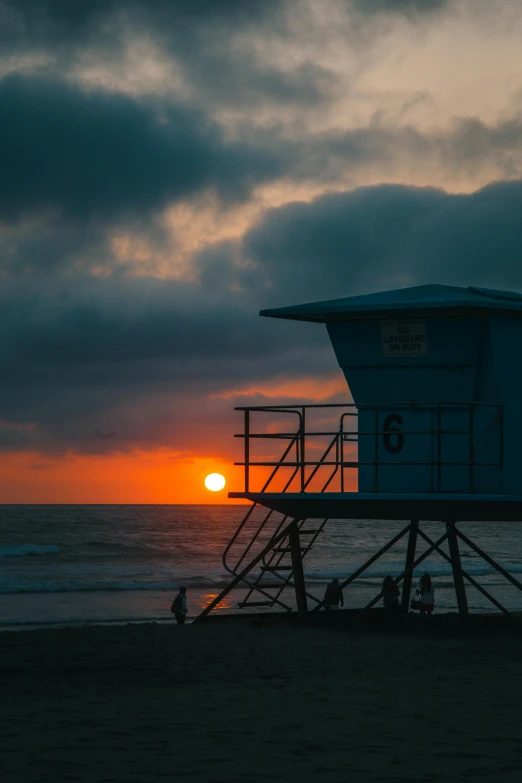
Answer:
(169, 169)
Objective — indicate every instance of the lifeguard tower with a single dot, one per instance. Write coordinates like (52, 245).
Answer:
(433, 434)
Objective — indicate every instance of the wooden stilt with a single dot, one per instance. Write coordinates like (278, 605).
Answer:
(458, 578)
(297, 567)
(410, 558)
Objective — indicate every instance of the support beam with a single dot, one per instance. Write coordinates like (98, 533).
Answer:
(489, 559)
(411, 568)
(458, 578)
(467, 576)
(297, 568)
(369, 562)
(239, 578)
(410, 558)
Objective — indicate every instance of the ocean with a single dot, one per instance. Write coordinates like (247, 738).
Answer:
(69, 565)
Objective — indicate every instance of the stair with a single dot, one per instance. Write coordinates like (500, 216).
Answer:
(252, 535)
(274, 563)
(288, 549)
(251, 544)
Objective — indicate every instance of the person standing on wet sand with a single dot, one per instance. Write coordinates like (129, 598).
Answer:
(390, 595)
(427, 595)
(333, 597)
(179, 606)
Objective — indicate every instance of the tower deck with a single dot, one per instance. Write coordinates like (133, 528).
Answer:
(393, 506)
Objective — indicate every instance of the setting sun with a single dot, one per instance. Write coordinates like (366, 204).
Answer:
(215, 482)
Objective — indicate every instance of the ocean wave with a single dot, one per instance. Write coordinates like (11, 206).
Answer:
(101, 586)
(28, 550)
(436, 570)
(141, 546)
(441, 574)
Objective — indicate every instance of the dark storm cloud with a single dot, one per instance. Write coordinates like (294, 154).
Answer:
(94, 156)
(142, 359)
(199, 36)
(50, 245)
(108, 323)
(39, 22)
(139, 357)
(388, 236)
(105, 157)
(121, 354)
(98, 155)
(338, 242)
(196, 34)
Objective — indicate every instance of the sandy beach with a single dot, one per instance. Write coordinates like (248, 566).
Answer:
(245, 699)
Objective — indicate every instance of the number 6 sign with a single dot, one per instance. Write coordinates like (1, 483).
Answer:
(393, 437)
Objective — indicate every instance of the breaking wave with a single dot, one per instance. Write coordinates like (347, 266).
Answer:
(441, 574)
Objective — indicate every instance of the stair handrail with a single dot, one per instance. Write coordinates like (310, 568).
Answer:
(232, 541)
(273, 555)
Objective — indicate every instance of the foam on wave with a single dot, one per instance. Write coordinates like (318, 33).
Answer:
(441, 573)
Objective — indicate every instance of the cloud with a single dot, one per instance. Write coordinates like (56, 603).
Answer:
(406, 7)
(37, 22)
(388, 236)
(97, 156)
(40, 22)
(143, 139)
(258, 96)
(464, 156)
(159, 362)
(236, 55)
(94, 163)
(190, 41)
(131, 356)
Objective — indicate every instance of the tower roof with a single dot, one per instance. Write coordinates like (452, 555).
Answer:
(417, 300)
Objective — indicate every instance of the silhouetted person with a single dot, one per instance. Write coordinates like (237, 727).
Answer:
(179, 606)
(390, 595)
(333, 597)
(426, 595)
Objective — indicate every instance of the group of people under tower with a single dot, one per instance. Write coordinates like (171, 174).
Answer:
(423, 600)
